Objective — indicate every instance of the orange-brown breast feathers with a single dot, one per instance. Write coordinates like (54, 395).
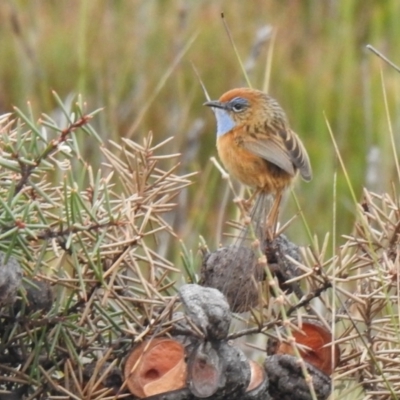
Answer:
(249, 168)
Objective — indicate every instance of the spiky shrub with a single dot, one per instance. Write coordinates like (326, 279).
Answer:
(87, 239)
(365, 276)
(90, 247)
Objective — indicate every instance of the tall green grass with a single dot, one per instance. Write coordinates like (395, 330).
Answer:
(134, 58)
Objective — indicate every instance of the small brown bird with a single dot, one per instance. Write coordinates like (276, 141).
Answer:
(256, 143)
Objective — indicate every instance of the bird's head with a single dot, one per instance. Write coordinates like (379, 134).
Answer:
(238, 107)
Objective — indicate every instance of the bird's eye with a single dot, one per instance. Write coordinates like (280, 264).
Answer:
(237, 107)
(238, 104)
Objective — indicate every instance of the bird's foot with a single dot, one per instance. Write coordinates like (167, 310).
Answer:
(244, 204)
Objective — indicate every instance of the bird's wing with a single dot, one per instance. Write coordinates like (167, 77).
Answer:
(300, 158)
(297, 152)
(284, 150)
(270, 150)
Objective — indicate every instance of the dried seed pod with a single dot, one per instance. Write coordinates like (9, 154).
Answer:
(10, 279)
(258, 386)
(181, 394)
(182, 332)
(208, 310)
(276, 251)
(286, 380)
(234, 271)
(206, 372)
(156, 366)
(314, 336)
(39, 296)
(219, 371)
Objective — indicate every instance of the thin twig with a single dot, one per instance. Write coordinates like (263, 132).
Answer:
(380, 55)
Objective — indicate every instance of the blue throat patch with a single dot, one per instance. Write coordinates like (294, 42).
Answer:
(225, 123)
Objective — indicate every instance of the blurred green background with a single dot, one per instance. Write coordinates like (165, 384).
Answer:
(134, 59)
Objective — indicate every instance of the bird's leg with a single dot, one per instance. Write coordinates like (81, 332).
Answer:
(247, 203)
(255, 216)
(273, 216)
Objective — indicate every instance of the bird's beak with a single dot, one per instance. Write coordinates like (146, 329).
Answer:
(214, 104)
